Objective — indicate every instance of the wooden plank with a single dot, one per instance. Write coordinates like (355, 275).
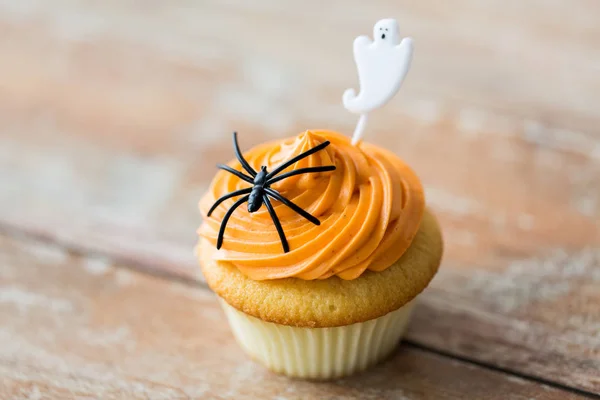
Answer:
(74, 326)
(522, 236)
(128, 127)
(535, 59)
(113, 115)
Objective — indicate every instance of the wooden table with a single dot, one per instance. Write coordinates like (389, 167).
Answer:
(113, 114)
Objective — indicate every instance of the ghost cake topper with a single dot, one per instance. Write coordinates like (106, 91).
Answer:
(382, 66)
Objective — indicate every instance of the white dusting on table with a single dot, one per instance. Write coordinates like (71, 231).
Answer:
(107, 337)
(449, 202)
(498, 221)
(47, 253)
(587, 204)
(471, 121)
(118, 188)
(516, 379)
(124, 277)
(561, 139)
(96, 265)
(24, 300)
(536, 279)
(424, 110)
(35, 393)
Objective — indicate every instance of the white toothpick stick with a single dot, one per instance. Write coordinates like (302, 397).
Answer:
(382, 66)
(360, 128)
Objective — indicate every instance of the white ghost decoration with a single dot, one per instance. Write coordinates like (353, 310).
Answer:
(382, 65)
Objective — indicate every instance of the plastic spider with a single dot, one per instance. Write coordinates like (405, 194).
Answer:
(261, 192)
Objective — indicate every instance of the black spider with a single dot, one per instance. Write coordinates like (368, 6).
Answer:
(261, 190)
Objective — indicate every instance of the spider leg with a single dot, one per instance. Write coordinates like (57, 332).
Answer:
(297, 158)
(284, 243)
(301, 171)
(226, 218)
(277, 196)
(227, 196)
(237, 173)
(240, 157)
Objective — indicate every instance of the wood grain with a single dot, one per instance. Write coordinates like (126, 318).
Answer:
(113, 115)
(74, 326)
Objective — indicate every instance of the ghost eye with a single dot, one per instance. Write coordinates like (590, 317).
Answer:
(386, 29)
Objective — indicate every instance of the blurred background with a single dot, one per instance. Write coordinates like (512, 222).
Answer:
(114, 113)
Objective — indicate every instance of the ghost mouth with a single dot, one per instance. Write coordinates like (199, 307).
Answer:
(383, 36)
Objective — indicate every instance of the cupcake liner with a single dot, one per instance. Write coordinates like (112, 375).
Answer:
(318, 353)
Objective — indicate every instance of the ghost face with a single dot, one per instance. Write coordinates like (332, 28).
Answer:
(386, 31)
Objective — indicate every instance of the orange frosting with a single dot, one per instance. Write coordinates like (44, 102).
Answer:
(370, 209)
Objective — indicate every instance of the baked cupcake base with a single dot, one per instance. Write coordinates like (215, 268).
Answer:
(318, 353)
(325, 329)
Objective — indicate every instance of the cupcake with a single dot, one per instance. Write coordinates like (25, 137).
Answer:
(317, 249)
(317, 245)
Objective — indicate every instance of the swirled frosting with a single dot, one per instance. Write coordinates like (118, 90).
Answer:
(370, 208)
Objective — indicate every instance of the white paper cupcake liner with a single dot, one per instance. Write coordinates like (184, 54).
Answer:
(318, 353)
